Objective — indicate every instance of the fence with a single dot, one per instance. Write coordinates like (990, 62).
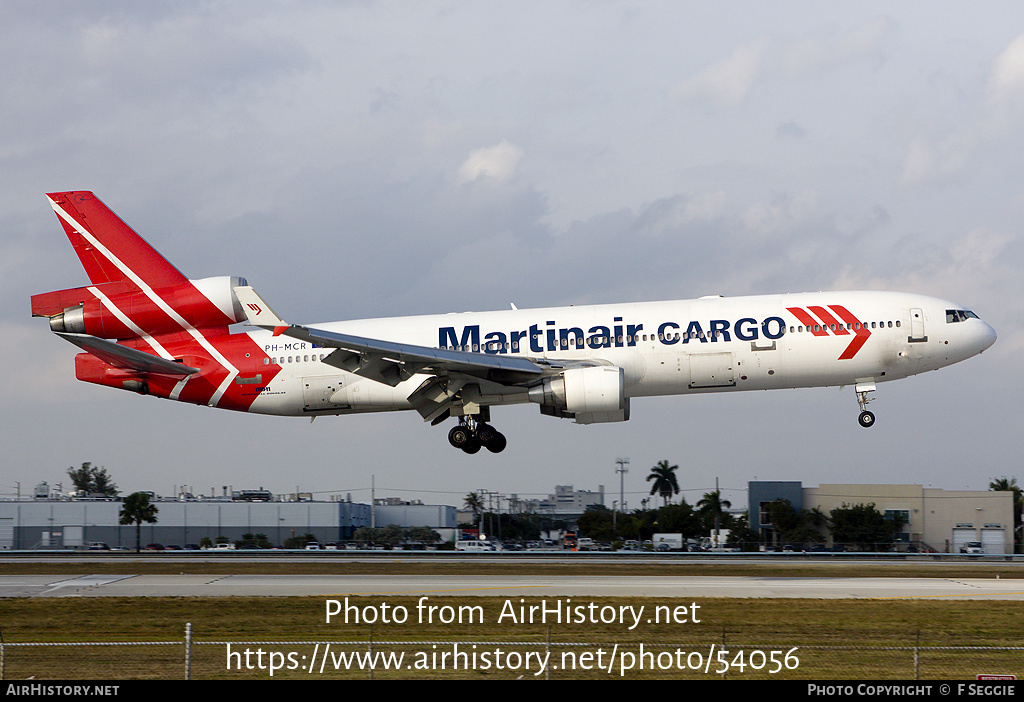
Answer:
(188, 658)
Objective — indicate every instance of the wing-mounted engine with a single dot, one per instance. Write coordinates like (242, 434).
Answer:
(587, 395)
(120, 310)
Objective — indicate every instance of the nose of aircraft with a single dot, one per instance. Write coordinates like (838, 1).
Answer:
(984, 337)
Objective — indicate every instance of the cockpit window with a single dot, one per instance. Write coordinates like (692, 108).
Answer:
(959, 316)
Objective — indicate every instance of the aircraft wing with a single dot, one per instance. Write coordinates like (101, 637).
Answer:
(126, 357)
(391, 362)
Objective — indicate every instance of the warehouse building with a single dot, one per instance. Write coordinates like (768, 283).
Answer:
(934, 520)
(75, 523)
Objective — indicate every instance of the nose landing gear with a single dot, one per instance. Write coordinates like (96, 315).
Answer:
(866, 418)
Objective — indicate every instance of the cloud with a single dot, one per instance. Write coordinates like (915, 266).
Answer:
(986, 129)
(790, 130)
(925, 161)
(863, 41)
(1008, 70)
(498, 162)
(728, 81)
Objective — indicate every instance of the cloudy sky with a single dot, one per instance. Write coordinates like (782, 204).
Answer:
(365, 159)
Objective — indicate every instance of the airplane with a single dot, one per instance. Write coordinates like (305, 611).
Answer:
(143, 326)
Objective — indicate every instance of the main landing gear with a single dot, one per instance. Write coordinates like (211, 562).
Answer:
(866, 418)
(470, 435)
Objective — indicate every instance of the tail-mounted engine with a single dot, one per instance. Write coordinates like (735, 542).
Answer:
(111, 311)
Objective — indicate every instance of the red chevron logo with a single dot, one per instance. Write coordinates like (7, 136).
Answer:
(823, 321)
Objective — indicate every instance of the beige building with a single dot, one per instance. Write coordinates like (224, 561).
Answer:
(940, 520)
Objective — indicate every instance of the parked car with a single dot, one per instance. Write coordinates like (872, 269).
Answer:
(474, 546)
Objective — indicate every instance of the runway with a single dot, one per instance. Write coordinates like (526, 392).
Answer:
(689, 587)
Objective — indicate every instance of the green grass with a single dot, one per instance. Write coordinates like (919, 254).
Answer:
(850, 628)
(858, 635)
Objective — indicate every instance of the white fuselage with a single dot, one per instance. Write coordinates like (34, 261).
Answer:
(711, 344)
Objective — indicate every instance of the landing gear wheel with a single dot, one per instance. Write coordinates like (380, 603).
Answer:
(471, 434)
(486, 433)
(460, 436)
(472, 446)
(866, 419)
(497, 443)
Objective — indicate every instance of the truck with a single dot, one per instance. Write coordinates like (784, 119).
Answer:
(710, 543)
(668, 542)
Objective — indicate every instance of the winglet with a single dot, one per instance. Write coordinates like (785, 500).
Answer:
(258, 312)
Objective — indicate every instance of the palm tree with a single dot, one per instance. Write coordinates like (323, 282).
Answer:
(665, 483)
(476, 504)
(1007, 484)
(713, 504)
(1010, 485)
(135, 510)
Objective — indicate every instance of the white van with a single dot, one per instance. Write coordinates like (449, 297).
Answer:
(476, 546)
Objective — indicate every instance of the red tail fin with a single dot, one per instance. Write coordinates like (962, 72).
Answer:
(109, 249)
(135, 291)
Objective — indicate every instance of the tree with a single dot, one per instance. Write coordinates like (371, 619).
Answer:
(741, 535)
(677, 519)
(664, 480)
(92, 480)
(714, 506)
(257, 540)
(783, 516)
(135, 510)
(862, 525)
(422, 535)
(794, 526)
(473, 502)
(1010, 484)
(596, 523)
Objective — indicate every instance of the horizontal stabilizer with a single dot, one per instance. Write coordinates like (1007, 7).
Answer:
(125, 357)
(258, 312)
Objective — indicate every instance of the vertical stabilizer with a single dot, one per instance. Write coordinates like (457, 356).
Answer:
(110, 250)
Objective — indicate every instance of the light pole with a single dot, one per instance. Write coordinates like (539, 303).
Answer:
(621, 470)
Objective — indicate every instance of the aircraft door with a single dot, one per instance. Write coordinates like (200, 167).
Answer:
(712, 370)
(317, 392)
(917, 326)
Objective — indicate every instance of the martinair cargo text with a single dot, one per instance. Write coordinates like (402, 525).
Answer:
(146, 327)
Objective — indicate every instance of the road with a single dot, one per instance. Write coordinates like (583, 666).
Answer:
(688, 587)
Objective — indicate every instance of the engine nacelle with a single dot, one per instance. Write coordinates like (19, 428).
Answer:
(104, 313)
(587, 395)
